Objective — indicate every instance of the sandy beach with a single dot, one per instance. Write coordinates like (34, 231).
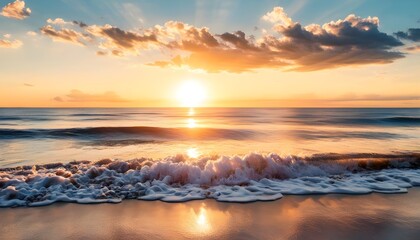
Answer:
(372, 216)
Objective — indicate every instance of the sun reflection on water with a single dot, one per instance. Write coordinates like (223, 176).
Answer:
(192, 123)
(202, 218)
(193, 153)
(201, 222)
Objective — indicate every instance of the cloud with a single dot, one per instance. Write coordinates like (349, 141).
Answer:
(60, 21)
(352, 97)
(413, 34)
(101, 53)
(182, 36)
(8, 43)
(80, 24)
(28, 85)
(57, 21)
(117, 38)
(238, 40)
(65, 35)
(277, 15)
(376, 97)
(216, 60)
(31, 33)
(352, 41)
(58, 99)
(290, 46)
(79, 96)
(16, 10)
(415, 48)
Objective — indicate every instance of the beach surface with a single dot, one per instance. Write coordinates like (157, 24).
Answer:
(333, 216)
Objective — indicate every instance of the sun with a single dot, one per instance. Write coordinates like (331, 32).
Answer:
(191, 94)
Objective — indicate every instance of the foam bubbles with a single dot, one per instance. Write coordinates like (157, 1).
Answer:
(254, 177)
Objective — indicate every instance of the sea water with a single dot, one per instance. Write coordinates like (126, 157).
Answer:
(229, 154)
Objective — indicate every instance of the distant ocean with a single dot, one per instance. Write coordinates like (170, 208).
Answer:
(229, 154)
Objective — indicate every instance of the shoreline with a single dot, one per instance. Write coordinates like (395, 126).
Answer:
(284, 195)
(330, 216)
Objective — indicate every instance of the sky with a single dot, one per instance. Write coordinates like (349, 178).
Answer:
(209, 53)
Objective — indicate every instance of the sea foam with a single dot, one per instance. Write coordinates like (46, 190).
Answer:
(254, 177)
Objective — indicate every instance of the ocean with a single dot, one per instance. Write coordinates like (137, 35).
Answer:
(179, 154)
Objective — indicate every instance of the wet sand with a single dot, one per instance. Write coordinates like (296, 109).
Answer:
(373, 216)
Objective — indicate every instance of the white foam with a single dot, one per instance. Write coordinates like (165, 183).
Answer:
(254, 177)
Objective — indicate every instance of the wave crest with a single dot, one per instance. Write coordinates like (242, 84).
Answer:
(139, 131)
(239, 179)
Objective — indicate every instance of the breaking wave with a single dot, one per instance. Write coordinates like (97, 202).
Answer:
(254, 177)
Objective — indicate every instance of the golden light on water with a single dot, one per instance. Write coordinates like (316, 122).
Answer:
(191, 94)
(202, 218)
(193, 153)
(202, 223)
(191, 123)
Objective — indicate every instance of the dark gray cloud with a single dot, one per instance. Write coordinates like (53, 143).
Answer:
(412, 34)
(352, 32)
(238, 40)
(80, 24)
